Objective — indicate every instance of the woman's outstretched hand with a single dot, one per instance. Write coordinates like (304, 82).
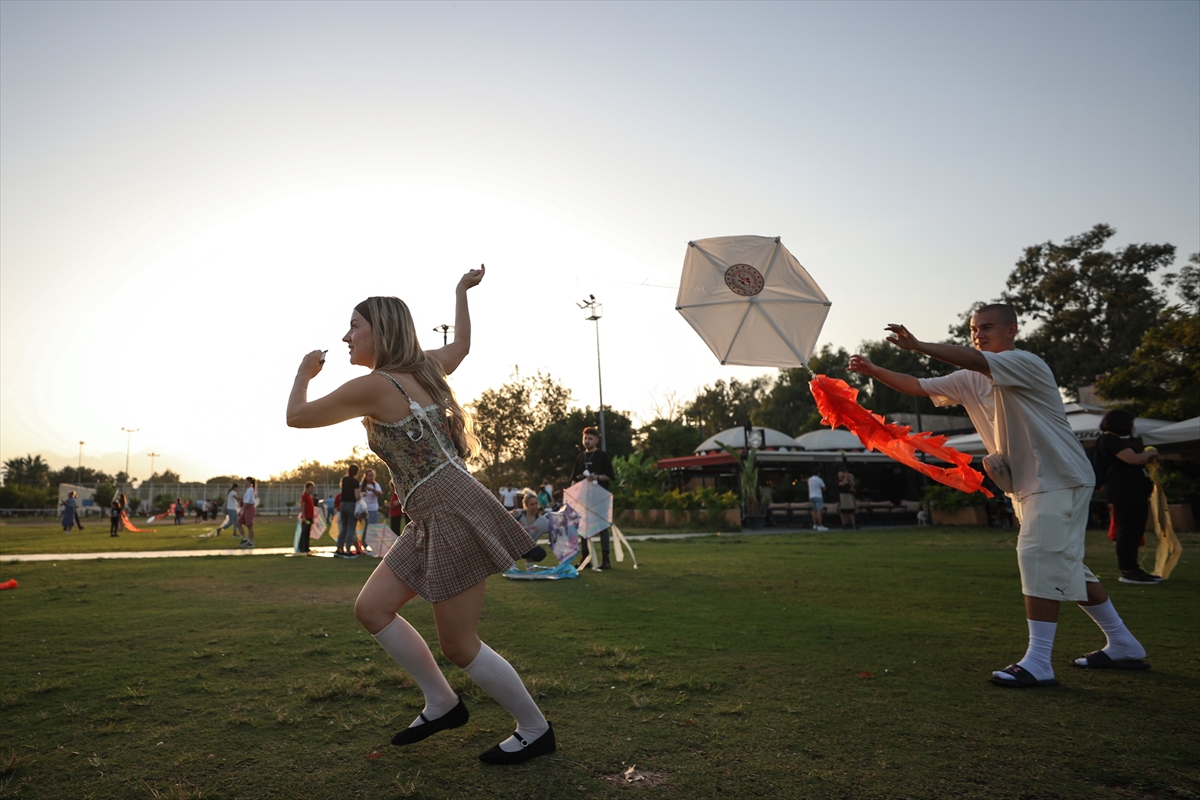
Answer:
(311, 364)
(472, 278)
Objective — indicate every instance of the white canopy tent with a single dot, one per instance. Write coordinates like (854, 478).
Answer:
(826, 439)
(1084, 424)
(736, 437)
(1174, 433)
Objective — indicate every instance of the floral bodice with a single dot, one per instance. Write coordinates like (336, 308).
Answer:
(415, 447)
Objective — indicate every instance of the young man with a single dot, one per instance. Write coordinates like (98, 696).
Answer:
(593, 464)
(816, 496)
(308, 510)
(1014, 403)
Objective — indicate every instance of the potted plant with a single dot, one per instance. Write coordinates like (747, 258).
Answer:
(753, 517)
(951, 507)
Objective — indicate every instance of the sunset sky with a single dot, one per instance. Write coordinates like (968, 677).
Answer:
(193, 195)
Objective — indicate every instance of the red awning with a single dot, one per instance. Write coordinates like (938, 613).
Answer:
(705, 460)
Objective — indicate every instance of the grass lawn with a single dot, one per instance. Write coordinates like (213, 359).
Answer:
(841, 665)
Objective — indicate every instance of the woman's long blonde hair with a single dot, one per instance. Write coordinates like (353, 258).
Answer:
(396, 350)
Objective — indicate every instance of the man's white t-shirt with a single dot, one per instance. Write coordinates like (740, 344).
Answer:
(510, 496)
(231, 500)
(816, 487)
(369, 497)
(1019, 412)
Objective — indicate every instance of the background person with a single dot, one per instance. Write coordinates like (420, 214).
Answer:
(1015, 405)
(347, 525)
(233, 502)
(308, 511)
(114, 517)
(1121, 467)
(372, 493)
(459, 533)
(179, 510)
(395, 511)
(816, 496)
(847, 498)
(68, 512)
(534, 523)
(249, 508)
(594, 465)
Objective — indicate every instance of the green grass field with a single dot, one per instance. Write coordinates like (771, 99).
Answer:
(840, 665)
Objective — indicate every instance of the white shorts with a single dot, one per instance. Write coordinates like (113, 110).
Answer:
(1051, 543)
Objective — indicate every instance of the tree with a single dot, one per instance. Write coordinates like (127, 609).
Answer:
(723, 406)
(1163, 379)
(86, 476)
(664, 438)
(1090, 306)
(789, 406)
(167, 476)
(551, 451)
(29, 470)
(506, 417)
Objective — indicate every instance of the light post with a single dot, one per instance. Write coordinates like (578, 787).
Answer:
(151, 499)
(444, 330)
(593, 312)
(79, 467)
(128, 441)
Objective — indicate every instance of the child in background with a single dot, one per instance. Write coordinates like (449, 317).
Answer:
(114, 517)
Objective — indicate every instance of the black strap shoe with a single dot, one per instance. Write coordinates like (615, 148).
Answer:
(543, 745)
(454, 718)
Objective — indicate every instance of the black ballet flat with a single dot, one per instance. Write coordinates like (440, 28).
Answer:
(454, 718)
(543, 745)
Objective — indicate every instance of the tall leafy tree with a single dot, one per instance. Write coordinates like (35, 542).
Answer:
(788, 406)
(1090, 307)
(1162, 379)
(666, 438)
(727, 405)
(507, 416)
(87, 476)
(552, 449)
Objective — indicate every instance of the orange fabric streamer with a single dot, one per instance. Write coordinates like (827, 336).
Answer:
(130, 527)
(838, 403)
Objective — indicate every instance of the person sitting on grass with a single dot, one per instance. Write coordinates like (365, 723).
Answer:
(1014, 403)
(459, 533)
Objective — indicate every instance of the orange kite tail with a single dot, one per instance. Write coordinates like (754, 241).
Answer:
(129, 526)
(838, 403)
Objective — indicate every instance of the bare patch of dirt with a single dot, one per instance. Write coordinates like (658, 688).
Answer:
(637, 777)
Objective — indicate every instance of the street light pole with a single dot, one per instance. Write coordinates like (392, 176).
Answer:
(444, 330)
(152, 457)
(128, 441)
(594, 312)
(79, 467)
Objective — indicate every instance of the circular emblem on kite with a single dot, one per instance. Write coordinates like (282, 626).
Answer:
(744, 279)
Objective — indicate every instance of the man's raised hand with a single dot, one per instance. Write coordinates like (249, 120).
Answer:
(901, 337)
(860, 363)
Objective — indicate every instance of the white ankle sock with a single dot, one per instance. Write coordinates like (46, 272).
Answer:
(1121, 643)
(402, 642)
(1037, 658)
(497, 677)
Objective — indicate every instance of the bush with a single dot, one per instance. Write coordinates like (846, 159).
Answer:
(943, 498)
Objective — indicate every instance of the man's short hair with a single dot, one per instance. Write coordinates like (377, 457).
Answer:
(1008, 314)
(591, 431)
(352, 470)
(310, 483)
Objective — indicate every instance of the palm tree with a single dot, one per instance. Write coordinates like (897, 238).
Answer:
(29, 470)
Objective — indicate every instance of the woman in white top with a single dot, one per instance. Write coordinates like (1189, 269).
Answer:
(249, 501)
(371, 493)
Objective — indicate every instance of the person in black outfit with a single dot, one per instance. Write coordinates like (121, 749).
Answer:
(1120, 466)
(595, 465)
(347, 525)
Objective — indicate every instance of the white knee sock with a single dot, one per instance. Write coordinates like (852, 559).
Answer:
(1121, 643)
(402, 642)
(1037, 658)
(497, 677)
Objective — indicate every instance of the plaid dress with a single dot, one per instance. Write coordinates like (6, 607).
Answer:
(459, 532)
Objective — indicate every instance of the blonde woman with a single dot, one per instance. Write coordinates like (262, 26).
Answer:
(458, 534)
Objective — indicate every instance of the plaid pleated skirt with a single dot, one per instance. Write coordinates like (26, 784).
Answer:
(458, 535)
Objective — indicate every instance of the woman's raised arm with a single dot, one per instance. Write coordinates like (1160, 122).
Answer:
(452, 354)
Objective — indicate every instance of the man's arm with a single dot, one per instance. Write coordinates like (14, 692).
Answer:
(953, 354)
(900, 381)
